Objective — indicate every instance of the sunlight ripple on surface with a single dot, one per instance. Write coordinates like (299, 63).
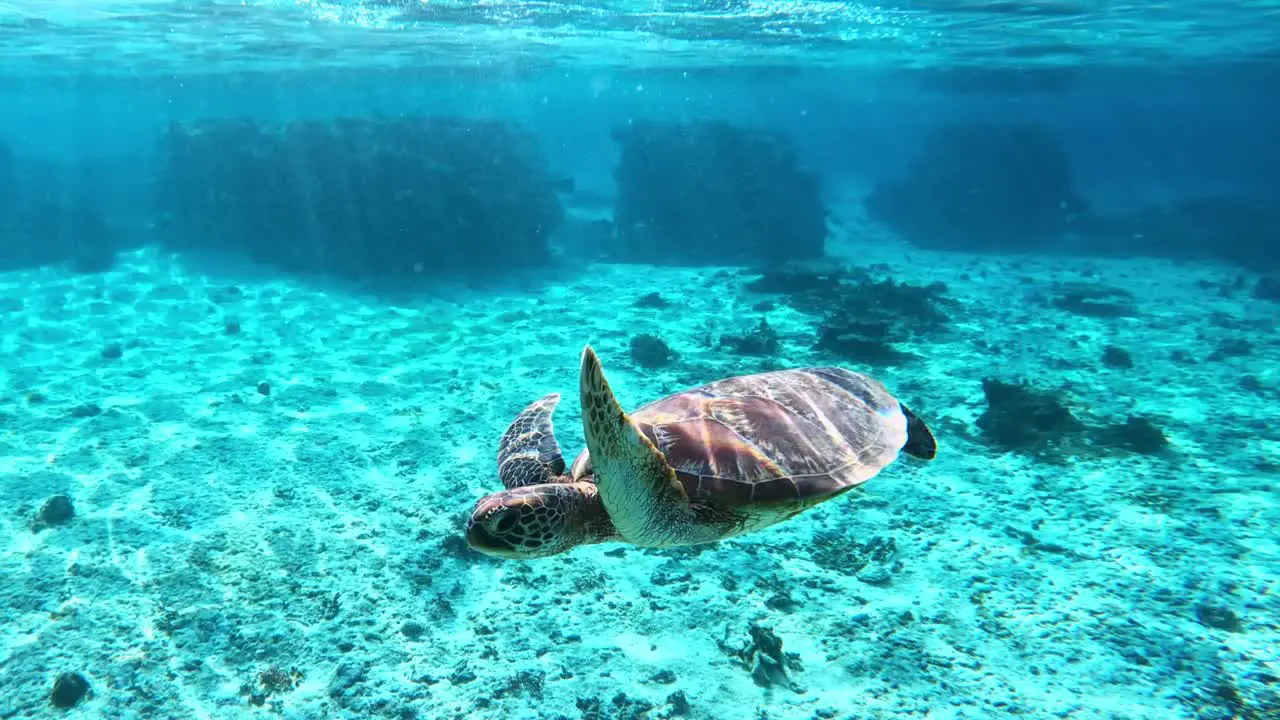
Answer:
(162, 36)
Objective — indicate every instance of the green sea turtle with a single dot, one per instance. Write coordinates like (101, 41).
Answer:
(709, 463)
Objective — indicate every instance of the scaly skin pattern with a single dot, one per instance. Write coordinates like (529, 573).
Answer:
(528, 453)
(539, 520)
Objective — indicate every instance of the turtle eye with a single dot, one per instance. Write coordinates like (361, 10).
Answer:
(506, 521)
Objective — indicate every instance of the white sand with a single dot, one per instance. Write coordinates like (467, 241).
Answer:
(215, 526)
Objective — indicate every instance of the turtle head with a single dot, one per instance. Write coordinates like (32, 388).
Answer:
(538, 521)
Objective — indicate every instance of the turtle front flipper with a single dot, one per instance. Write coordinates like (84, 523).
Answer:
(529, 453)
(645, 501)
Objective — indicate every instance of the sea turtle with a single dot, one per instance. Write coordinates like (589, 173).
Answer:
(708, 463)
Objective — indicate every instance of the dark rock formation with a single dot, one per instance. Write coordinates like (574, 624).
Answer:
(862, 317)
(366, 199)
(651, 352)
(979, 186)
(1242, 230)
(68, 690)
(1022, 418)
(50, 216)
(711, 193)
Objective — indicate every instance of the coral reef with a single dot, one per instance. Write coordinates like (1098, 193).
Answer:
(68, 690)
(797, 281)
(272, 681)
(981, 186)
(1239, 229)
(361, 199)
(57, 510)
(1093, 300)
(862, 318)
(651, 352)
(764, 658)
(860, 343)
(1267, 288)
(1022, 418)
(49, 217)
(872, 561)
(1137, 434)
(1117, 358)
(709, 192)
(653, 301)
(762, 341)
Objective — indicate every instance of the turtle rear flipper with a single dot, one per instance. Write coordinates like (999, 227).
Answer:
(528, 453)
(645, 501)
(920, 441)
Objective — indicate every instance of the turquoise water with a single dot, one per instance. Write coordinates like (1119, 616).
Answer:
(276, 279)
(153, 36)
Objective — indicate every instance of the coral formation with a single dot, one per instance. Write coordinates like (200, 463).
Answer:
(862, 318)
(57, 510)
(764, 658)
(1267, 288)
(709, 192)
(653, 301)
(1093, 300)
(1117, 358)
(361, 199)
(48, 216)
(981, 186)
(68, 690)
(651, 352)
(857, 342)
(1137, 434)
(1239, 229)
(1023, 418)
(761, 341)
(274, 680)
(1009, 187)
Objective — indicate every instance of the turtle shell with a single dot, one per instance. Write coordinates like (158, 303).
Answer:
(791, 437)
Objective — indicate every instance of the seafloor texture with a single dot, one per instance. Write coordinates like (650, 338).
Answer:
(268, 481)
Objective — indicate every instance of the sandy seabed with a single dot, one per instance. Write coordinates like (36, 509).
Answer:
(269, 479)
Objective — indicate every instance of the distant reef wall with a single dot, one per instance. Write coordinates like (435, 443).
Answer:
(349, 174)
(711, 192)
(364, 199)
(1010, 187)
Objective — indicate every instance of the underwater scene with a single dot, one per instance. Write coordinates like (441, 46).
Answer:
(639, 360)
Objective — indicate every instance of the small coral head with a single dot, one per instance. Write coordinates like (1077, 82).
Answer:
(528, 522)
